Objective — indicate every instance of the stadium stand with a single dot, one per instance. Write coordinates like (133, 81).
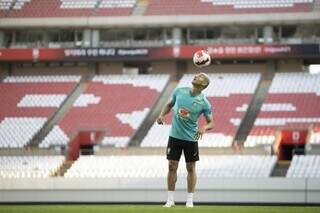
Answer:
(226, 93)
(52, 8)
(116, 103)
(293, 102)
(190, 7)
(78, 8)
(29, 166)
(5, 7)
(65, 8)
(304, 166)
(147, 166)
(115, 8)
(28, 102)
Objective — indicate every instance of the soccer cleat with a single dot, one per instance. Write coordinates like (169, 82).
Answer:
(169, 204)
(189, 205)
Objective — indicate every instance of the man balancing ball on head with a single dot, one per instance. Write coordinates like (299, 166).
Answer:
(188, 104)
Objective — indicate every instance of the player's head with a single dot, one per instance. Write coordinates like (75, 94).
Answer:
(201, 81)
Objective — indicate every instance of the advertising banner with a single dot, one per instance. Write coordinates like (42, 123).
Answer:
(161, 53)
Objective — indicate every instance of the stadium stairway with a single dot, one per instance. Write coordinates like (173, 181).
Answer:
(281, 168)
(253, 110)
(140, 7)
(64, 168)
(153, 114)
(65, 107)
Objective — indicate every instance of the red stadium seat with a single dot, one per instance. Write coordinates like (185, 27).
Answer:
(193, 7)
(75, 8)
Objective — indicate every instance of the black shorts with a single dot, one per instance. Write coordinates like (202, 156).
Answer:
(175, 147)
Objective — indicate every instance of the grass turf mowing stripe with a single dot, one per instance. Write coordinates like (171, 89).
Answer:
(152, 208)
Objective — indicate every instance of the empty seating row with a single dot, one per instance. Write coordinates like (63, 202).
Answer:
(65, 4)
(29, 166)
(148, 166)
(293, 102)
(73, 8)
(28, 102)
(65, 8)
(192, 7)
(226, 93)
(16, 132)
(304, 166)
(259, 4)
(116, 103)
(116, 3)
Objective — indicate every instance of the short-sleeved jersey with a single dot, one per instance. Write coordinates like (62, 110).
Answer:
(186, 111)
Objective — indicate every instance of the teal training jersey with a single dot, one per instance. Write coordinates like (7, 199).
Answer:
(186, 111)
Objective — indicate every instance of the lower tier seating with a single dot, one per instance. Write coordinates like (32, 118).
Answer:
(146, 166)
(29, 166)
(304, 166)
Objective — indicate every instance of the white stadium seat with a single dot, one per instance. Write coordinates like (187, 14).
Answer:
(304, 166)
(146, 166)
(29, 166)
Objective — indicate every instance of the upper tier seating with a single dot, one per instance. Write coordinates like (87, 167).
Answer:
(148, 166)
(27, 103)
(76, 8)
(226, 93)
(293, 102)
(5, 6)
(116, 103)
(304, 166)
(115, 7)
(190, 7)
(29, 166)
(65, 8)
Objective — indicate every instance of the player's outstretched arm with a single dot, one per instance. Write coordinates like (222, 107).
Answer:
(165, 110)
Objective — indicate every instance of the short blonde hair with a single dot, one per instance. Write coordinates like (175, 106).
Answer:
(206, 77)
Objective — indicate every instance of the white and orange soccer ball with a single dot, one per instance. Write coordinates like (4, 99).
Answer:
(201, 58)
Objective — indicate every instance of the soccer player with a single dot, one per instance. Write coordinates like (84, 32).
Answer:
(188, 104)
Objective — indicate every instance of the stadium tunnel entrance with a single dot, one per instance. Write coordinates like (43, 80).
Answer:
(83, 143)
(291, 142)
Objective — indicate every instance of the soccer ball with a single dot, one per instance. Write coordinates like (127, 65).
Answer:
(201, 58)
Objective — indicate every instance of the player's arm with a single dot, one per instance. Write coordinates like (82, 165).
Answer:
(210, 123)
(165, 110)
(204, 128)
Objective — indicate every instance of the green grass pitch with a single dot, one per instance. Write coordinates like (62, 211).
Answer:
(153, 209)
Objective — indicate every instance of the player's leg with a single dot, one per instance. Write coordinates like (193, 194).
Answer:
(172, 174)
(171, 182)
(192, 176)
(191, 180)
(191, 153)
(174, 151)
